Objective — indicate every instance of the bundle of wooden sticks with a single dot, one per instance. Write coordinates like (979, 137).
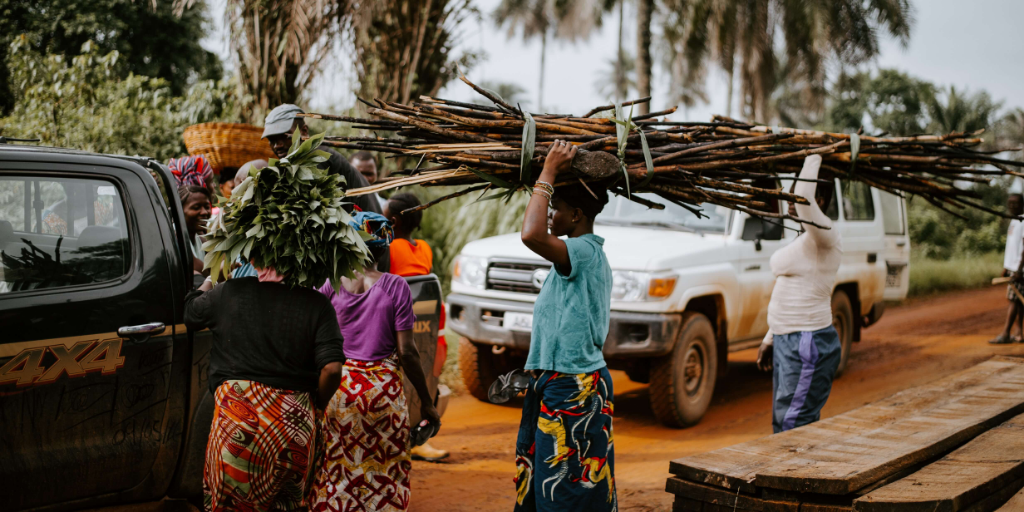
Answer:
(501, 148)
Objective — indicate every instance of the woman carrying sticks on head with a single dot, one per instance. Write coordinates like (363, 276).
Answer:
(564, 455)
(802, 346)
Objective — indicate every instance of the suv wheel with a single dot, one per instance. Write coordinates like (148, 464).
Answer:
(842, 320)
(480, 367)
(683, 382)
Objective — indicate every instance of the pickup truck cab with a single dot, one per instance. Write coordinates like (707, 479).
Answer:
(103, 392)
(686, 291)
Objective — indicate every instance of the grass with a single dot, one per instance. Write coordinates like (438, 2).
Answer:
(929, 276)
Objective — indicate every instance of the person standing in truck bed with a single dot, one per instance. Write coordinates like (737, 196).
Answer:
(802, 346)
(413, 257)
(276, 360)
(564, 453)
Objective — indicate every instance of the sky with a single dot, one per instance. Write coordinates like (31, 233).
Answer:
(972, 45)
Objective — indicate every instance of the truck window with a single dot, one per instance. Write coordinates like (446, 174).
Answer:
(857, 202)
(57, 232)
(892, 219)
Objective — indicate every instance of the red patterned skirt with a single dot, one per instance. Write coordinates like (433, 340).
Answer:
(366, 464)
(261, 442)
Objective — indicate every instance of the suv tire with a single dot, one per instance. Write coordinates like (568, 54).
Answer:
(683, 382)
(480, 367)
(842, 320)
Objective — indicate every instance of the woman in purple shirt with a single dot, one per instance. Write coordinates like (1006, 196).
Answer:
(366, 465)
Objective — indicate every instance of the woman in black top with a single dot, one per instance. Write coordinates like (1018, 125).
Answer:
(276, 350)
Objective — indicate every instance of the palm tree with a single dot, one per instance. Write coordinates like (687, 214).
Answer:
(279, 46)
(564, 20)
(619, 79)
(961, 111)
(404, 49)
(803, 35)
(644, 11)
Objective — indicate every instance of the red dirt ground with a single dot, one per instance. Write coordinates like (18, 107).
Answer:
(911, 345)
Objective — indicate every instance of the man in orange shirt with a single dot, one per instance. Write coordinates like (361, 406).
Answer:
(413, 257)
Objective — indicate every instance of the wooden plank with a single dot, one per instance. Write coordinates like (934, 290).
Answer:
(980, 468)
(997, 499)
(717, 496)
(1016, 503)
(844, 453)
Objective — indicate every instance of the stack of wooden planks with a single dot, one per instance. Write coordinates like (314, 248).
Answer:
(956, 444)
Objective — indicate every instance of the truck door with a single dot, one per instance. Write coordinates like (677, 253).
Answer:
(897, 246)
(86, 359)
(426, 304)
(759, 239)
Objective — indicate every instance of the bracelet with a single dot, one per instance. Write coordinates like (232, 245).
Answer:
(543, 193)
(545, 186)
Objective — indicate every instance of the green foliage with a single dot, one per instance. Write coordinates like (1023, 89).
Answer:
(289, 217)
(929, 276)
(450, 225)
(894, 102)
(953, 111)
(936, 234)
(90, 103)
(150, 38)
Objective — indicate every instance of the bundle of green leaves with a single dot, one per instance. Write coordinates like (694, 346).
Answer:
(289, 217)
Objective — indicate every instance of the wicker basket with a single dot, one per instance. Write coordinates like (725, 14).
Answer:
(227, 144)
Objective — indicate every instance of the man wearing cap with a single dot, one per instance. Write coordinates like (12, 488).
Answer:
(278, 128)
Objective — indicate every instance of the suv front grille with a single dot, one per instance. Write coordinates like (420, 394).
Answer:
(517, 276)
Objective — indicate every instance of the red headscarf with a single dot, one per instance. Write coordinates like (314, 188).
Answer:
(191, 170)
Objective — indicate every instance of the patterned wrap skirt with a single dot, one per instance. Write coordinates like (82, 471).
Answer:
(261, 442)
(564, 455)
(366, 464)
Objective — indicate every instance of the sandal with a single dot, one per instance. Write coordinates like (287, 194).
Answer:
(508, 386)
(1002, 339)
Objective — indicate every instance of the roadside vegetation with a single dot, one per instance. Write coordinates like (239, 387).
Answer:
(929, 276)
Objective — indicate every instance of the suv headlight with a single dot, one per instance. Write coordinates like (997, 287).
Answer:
(630, 286)
(470, 270)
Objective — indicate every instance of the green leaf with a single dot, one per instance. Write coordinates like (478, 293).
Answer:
(492, 179)
(496, 195)
(526, 153)
(647, 160)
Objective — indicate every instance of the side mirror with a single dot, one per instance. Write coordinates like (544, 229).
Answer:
(753, 230)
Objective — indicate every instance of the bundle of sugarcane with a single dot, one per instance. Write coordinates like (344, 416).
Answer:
(723, 162)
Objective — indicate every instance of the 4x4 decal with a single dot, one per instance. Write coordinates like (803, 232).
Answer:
(97, 355)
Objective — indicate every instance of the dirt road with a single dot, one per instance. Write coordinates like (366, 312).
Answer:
(911, 345)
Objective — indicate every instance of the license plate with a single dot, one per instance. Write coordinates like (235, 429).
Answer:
(894, 275)
(522, 322)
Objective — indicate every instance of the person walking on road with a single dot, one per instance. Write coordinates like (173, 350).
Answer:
(366, 463)
(1013, 265)
(276, 360)
(801, 346)
(564, 453)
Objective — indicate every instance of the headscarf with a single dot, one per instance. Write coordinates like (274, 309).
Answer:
(191, 170)
(376, 225)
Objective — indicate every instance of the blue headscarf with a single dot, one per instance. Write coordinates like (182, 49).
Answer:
(376, 225)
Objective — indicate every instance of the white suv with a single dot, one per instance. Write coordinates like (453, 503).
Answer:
(687, 291)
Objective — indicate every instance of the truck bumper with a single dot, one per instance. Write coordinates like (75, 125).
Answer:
(629, 334)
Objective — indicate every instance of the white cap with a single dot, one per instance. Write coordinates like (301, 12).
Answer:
(280, 120)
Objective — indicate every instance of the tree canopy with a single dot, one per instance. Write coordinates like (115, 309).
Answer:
(149, 38)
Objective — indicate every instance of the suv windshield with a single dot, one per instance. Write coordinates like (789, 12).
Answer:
(621, 211)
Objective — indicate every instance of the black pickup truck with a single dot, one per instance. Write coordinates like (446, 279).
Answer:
(103, 392)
